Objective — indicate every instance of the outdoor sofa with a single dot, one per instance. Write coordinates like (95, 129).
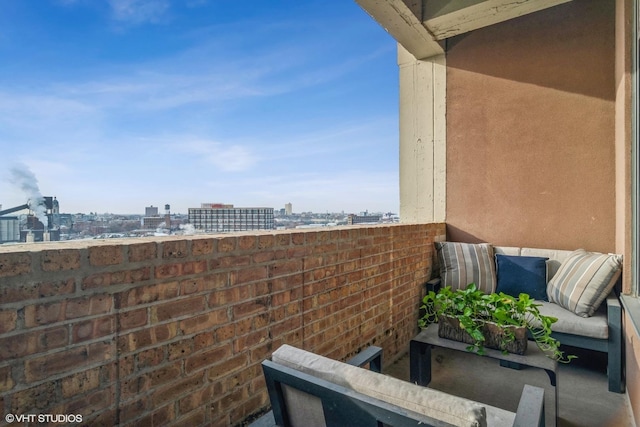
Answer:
(310, 390)
(579, 288)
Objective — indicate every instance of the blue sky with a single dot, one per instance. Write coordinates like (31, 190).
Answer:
(114, 105)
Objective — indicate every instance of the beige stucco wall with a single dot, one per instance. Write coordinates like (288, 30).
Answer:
(531, 130)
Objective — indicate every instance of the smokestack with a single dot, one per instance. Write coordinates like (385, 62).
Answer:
(28, 183)
(167, 216)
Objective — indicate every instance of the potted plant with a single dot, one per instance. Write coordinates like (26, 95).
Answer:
(494, 320)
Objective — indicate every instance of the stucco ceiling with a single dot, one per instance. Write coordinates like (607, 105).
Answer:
(420, 25)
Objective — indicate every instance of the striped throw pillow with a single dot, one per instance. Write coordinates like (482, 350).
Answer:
(584, 280)
(465, 263)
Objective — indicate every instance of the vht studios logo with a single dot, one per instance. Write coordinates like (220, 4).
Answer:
(43, 418)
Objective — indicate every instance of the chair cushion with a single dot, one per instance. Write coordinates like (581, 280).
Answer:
(431, 403)
(584, 280)
(570, 323)
(465, 263)
(522, 274)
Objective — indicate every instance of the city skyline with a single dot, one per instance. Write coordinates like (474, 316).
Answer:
(119, 104)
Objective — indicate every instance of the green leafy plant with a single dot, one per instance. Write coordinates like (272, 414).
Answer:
(473, 309)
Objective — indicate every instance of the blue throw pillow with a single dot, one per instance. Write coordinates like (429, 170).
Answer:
(522, 274)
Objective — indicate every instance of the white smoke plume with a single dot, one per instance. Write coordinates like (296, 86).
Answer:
(187, 229)
(26, 180)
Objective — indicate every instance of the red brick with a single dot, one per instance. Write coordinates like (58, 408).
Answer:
(81, 382)
(225, 332)
(207, 358)
(60, 260)
(40, 397)
(88, 403)
(298, 238)
(203, 341)
(132, 319)
(142, 251)
(243, 326)
(146, 337)
(21, 345)
(194, 418)
(202, 247)
(100, 256)
(227, 244)
(146, 294)
(192, 286)
(263, 256)
(96, 304)
(175, 249)
(168, 270)
(247, 243)
(260, 353)
(251, 340)
(230, 261)
(195, 267)
(27, 291)
(164, 375)
(150, 358)
(159, 417)
(216, 281)
(6, 380)
(265, 241)
(132, 410)
(180, 349)
(225, 297)
(249, 275)
(176, 388)
(116, 278)
(15, 264)
(8, 319)
(92, 329)
(176, 308)
(228, 366)
(203, 322)
(250, 307)
(51, 364)
(196, 399)
(248, 406)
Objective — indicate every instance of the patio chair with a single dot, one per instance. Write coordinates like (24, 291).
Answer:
(309, 390)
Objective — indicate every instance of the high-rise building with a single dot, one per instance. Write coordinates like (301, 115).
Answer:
(288, 209)
(215, 217)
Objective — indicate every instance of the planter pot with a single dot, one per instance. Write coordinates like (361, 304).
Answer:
(449, 327)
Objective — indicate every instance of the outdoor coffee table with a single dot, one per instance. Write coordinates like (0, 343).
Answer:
(420, 358)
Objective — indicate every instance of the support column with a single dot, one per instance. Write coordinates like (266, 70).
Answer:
(422, 138)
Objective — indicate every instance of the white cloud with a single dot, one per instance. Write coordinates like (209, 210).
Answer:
(226, 158)
(138, 11)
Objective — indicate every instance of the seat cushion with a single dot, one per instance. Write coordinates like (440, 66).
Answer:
(570, 323)
(465, 263)
(584, 280)
(431, 403)
(522, 274)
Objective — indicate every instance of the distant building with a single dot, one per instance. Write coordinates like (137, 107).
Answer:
(150, 222)
(9, 229)
(363, 219)
(288, 209)
(151, 211)
(210, 217)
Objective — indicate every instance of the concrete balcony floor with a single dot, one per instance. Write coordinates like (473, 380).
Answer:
(584, 400)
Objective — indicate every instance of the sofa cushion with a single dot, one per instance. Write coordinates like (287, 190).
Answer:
(465, 263)
(522, 274)
(584, 280)
(432, 403)
(595, 326)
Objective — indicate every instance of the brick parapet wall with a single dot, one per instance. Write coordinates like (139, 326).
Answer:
(173, 331)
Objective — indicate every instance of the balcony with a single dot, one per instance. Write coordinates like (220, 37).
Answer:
(172, 330)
